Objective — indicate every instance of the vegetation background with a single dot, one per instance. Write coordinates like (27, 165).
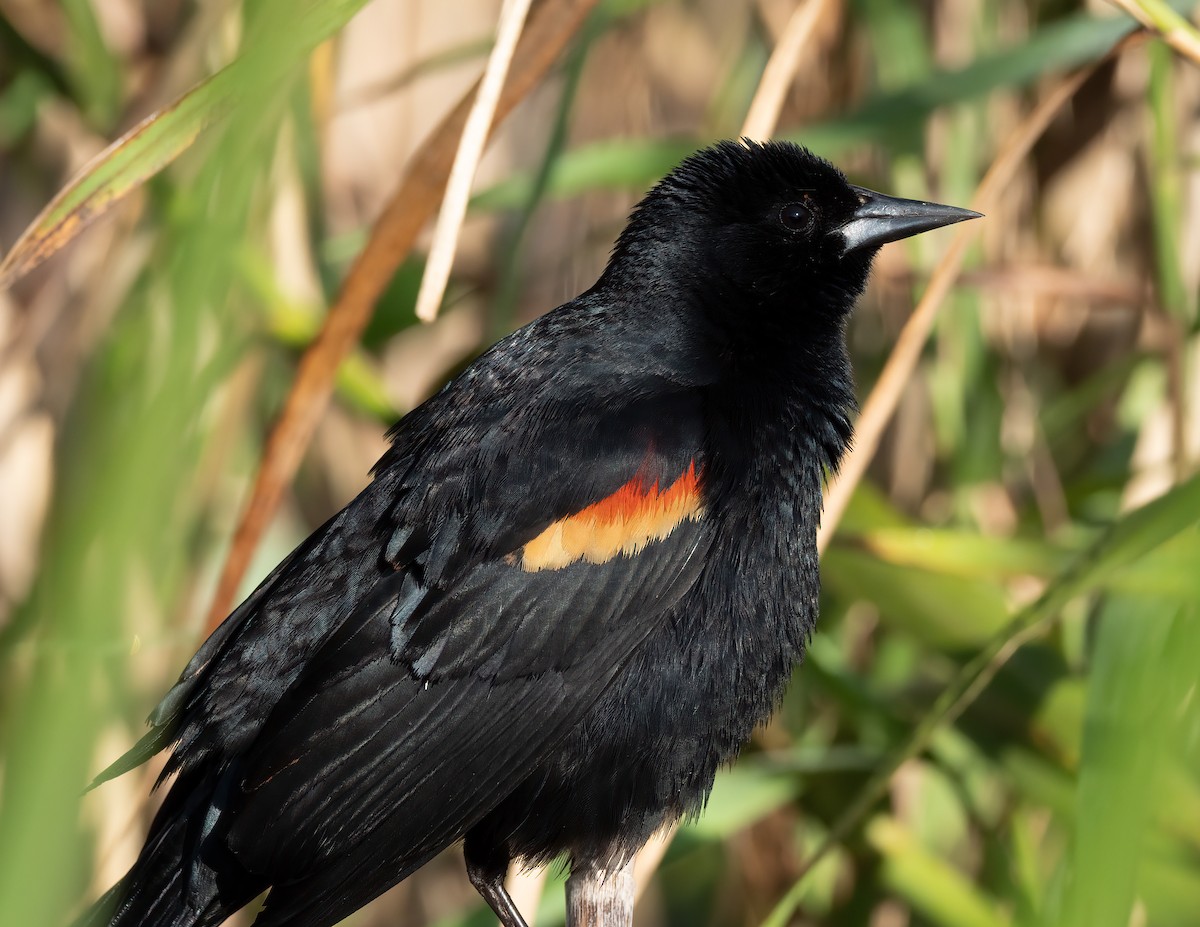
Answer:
(998, 722)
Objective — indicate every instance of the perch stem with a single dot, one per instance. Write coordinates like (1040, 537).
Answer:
(598, 897)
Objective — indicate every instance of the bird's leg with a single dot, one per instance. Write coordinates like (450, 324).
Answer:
(486, 872)
(600, 897)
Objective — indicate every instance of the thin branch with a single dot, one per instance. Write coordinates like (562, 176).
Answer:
(550, 29)
(466, 160)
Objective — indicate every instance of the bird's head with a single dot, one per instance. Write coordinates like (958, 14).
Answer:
(766, 229)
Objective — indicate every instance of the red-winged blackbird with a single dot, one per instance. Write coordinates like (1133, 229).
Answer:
(581, 575)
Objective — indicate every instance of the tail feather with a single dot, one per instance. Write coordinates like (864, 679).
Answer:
(167, 887)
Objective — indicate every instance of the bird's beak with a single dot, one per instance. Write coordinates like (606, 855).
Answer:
(881, 218)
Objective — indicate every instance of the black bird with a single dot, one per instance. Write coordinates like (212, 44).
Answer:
(582, 574)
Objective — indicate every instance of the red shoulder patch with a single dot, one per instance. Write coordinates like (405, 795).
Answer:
(622, 523)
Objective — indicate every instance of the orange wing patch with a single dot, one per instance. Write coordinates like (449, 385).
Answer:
(622, 523)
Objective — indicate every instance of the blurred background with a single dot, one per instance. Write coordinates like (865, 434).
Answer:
(1011, 614)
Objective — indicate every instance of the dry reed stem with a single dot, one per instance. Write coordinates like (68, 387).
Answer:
(526, 886)
(600, 897)
(1166, 23)
(550, 28)
(466, 160)
(880, 405)
(777, 76)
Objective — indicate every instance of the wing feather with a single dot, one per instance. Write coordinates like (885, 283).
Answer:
(382, 770)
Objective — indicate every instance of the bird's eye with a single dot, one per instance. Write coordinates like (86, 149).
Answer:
(795, 217)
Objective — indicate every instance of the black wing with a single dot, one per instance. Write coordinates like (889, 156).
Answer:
(372, 767)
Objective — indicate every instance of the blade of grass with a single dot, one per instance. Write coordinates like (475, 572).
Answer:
(1167, 197)
(160, 138)
(1140, 679)
(94, 71)
(1167, 188)
(122, 167)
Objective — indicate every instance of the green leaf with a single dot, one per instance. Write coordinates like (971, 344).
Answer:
(946, 610)
(963, 553)
(1145, 669)
(160, 138)
(115, 172)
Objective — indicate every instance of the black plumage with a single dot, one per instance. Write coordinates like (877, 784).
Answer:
(581, 575)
